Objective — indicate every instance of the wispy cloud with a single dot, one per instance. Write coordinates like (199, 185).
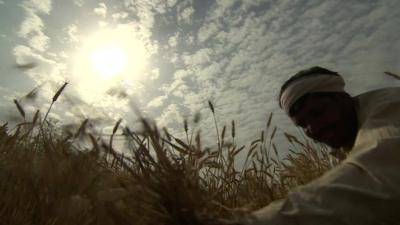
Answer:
(207, 31)
(32, 27)
(157, 102)
(39, 6)
(171, 3)
(32, 24)
(101, 10)
(72, 31)
(120, 16)
(186, 15)
(51, 69)
(78, 3)
(39, 42)
(173, 40)
(170, 116)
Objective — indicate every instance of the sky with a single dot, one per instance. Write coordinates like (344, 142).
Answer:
(167, 58)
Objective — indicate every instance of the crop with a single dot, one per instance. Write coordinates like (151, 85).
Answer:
(46, 178)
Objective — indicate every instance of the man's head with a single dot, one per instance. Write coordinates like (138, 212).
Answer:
(316, 101)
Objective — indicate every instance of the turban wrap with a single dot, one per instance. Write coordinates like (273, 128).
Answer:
(309, 84)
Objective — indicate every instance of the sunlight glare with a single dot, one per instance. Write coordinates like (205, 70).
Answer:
(108, 58)
(109, 61)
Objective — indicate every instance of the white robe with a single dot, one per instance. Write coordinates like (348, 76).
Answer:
(365, 188)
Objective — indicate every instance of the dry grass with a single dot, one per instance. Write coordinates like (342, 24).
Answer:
(46, 179)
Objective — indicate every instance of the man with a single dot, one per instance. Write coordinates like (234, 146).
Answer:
(365, 188)
(315, 101)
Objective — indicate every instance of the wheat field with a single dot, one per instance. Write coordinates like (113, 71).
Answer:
(45, 178)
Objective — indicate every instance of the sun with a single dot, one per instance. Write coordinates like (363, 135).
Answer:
(107, 58)
(109, 61)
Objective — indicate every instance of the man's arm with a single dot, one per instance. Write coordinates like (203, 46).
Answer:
(364, 189)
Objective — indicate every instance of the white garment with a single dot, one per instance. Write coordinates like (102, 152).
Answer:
(365, 188)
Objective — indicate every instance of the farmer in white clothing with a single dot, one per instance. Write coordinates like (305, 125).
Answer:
(365, 132)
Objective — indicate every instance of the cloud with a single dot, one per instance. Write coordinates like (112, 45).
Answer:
(207, 31)
(120, 16)
(154, 74)
(209, 73)
(47, 69)
(101, 10)
(72, 31)
(1, 2)
(225, 4)
(39, 42)
(38, 6)
(173, 40)
(79, 3)
(32, 26)
(170, 116)
(157, 102)
(171, 3)
(200, 57)
(145, 10)
(186, 16)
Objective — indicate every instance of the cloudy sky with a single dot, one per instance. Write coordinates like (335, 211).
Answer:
(168, 57)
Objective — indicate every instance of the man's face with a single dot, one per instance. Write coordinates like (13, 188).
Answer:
(327, 119)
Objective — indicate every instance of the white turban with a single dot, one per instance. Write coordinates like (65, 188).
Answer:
(309, 84)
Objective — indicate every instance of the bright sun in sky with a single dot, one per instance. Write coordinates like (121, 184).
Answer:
(108, 58)
(108, 61)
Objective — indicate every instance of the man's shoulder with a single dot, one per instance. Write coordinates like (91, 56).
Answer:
(379, 93)
(378, 99)
(378, 117)
(380, 104)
